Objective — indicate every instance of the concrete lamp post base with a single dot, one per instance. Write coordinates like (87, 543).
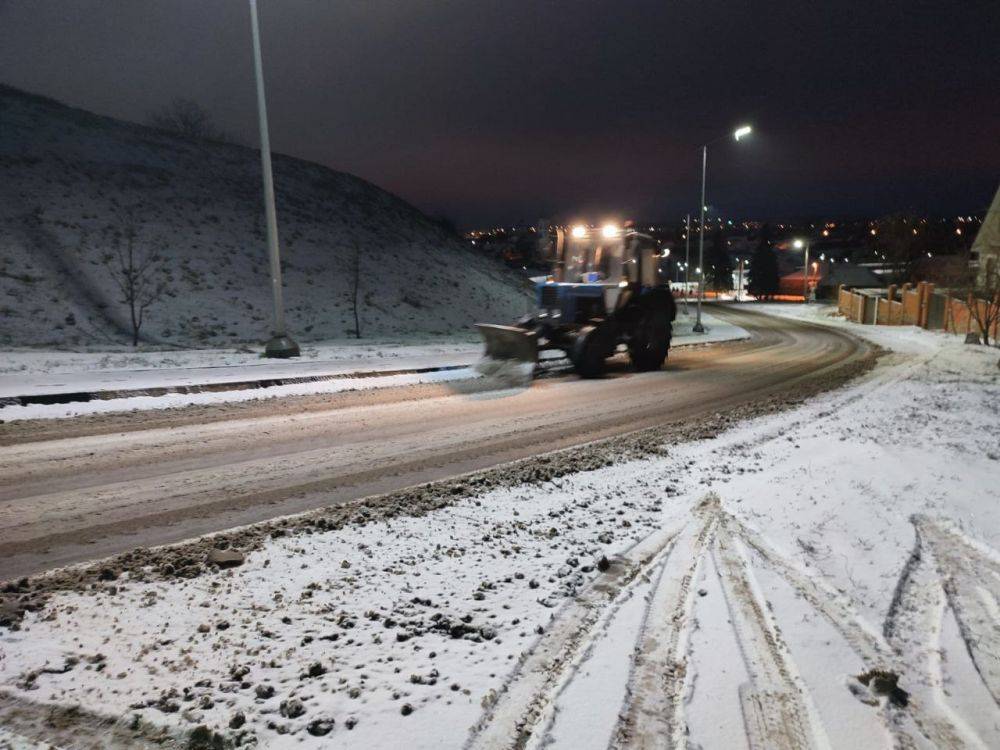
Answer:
(281, 347)
(698, 328)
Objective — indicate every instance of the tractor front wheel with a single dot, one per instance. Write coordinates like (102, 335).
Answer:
(591, 349)
(650, 341)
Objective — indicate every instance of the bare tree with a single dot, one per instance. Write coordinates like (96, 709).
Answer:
(906, 241)
(188, 118)
(138, 272)
(354, 269)
(984, 301)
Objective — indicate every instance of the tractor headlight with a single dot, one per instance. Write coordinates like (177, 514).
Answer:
(579, 231)
(610, 230)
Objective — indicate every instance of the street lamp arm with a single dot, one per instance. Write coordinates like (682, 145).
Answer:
(741, 131)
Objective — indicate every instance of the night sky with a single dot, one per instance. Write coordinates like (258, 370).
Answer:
(493, 112)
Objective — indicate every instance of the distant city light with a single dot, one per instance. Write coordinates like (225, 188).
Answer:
(798, 244)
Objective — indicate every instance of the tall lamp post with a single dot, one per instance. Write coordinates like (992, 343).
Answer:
(798, 245)
(280, 344)
(740, 132)
(687, 258)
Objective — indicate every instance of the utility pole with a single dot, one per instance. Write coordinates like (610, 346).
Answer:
(687, 259)
(698, 327)
(280, 344)
(805, 277)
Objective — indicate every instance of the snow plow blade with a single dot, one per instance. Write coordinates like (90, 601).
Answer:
(509, 342)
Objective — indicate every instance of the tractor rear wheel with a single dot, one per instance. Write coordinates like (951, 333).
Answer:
(650, 341)
(591, 349)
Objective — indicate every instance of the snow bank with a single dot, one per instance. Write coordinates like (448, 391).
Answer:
(177, 400)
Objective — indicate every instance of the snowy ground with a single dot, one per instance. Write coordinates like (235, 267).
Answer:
(39, 372)
(760, 576)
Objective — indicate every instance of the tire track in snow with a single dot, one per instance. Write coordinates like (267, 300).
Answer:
(913, 629)
(880, 652)
(777, 707)
(654, 711)
(970, 576)
(524, 702)
(777, 711)
(837, 608)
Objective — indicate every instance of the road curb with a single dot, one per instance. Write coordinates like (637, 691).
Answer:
(239, 385)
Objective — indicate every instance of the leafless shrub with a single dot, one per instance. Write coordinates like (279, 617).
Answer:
(188, 118)
(138, 270)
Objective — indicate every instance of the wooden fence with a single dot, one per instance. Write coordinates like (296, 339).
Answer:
(909, 305)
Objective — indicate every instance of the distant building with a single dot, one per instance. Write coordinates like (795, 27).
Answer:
(987, 243)
(825, 277)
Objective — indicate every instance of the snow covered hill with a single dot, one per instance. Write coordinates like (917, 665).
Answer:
(71, 182)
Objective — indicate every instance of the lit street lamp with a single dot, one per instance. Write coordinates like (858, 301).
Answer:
(740, 132)
(280, 344)
(798, 245)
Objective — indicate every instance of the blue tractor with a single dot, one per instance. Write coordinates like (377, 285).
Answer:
(606, 288)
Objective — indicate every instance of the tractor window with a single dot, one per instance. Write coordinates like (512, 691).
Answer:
(576, 259)
(631, 263)
(650, 264)
(606, 262)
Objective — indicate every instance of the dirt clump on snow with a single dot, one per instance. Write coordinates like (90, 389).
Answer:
(882, 682)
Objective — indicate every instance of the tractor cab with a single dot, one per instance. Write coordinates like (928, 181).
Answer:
(594, 269)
